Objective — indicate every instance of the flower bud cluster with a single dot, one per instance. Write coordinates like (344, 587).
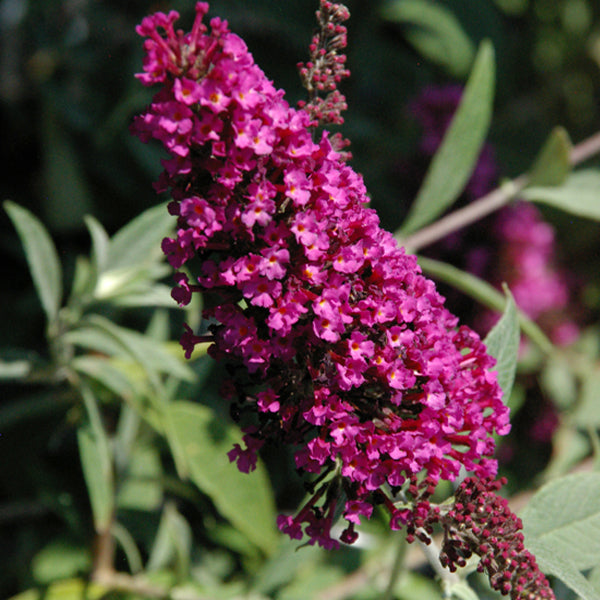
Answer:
(334, 340)
(480, 522)
(326, 67)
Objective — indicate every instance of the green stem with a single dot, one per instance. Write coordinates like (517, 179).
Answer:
(397, 568)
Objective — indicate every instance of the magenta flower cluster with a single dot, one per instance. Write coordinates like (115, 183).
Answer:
(335, 341)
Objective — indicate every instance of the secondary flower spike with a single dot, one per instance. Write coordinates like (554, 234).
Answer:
(335, 341)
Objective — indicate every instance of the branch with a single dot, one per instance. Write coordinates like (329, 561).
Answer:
(489, 203)
(123, 582)
(137, 585)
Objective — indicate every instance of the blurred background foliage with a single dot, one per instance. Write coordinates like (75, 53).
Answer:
(67, 95)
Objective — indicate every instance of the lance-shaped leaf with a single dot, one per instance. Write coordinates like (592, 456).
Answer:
(100, 243)
(558, 564)
(245, 499)
(173, 542)
(96, 462)
(435, 32)
(561, 524)
(41, 256)
(579, 195)
(139, 241)
(457, 156)
(502, 343)
(553, 164)
(102, 335)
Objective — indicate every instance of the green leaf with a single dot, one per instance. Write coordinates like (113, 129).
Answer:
(486, 294)
(245, 499)
(461, 590)
(59, 560)
(100, 243)
(594, 579)
(68, 589)
(96, 461)
(103, 335)
(157, 295)
(84, 282)
(435, 32)
(281, 566)
(558, 564)
(416, 586)
(513, 7)
(563, 520)
(97, 470)
(141, 488)
(137, 280)
(569, 448)
(41, 256)
(15, 369)
(173, 542)
(579, 195)
(457, 156)
(103, 370)
(559, 381)
(553, 163)
(311, 581)
(139, 241)
(230, 537)
(587, 413)
(129, 547)
(503, 344)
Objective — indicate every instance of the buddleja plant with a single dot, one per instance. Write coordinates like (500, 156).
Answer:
(336, 344)
(333, 342)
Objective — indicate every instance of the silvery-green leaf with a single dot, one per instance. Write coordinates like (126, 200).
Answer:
(41, 255)
(457, 156)
(579, 194)
(502, 343)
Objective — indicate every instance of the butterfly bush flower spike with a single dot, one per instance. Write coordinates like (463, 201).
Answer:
(335, 342)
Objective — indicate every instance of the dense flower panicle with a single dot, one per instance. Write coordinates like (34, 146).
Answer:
(335, 341)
